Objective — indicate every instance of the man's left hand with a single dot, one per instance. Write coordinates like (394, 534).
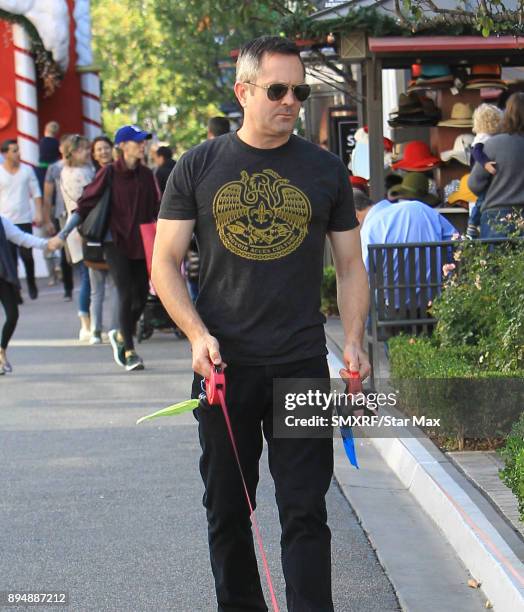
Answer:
(356, 358)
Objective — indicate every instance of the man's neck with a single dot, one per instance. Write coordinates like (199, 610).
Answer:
(10, 166)
(259, 141)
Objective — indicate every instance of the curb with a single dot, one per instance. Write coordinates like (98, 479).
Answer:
(473, 537)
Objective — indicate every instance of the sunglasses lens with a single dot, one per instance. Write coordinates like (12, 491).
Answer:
(276, 91)
(302, 92)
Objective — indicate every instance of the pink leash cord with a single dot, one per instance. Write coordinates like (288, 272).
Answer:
(251, 510)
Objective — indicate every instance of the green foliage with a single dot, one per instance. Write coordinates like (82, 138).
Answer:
(488, 17)
(446, 383)
(329, 292)
(513, 455)
(366, 19)
(475, 359)
(166, 63)
(482, 305)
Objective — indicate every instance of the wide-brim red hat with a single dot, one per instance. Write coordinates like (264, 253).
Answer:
(417, 156)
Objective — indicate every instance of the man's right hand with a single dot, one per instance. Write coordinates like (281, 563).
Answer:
(206, 353)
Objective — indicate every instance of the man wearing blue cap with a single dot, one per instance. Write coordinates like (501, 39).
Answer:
(134, 200)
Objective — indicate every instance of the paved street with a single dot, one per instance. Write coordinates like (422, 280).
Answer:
(110, 512)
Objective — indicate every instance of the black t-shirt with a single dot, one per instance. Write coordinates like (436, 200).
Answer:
(261, 221)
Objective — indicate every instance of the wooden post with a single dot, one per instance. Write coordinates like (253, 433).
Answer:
(373, 68)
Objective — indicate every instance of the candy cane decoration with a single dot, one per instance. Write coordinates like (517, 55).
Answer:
(89, 80)
(26, 97)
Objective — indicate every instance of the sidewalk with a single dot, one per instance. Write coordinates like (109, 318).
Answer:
(111, 512)
(468, 522)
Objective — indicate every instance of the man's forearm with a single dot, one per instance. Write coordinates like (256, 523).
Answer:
(172, 290)
(353, 303)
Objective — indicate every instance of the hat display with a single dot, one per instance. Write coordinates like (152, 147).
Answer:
(414, 110)
(417, 156)
(430, 76)
(485, 76)
(414, 186)
(461, 116)
(461, 150)
(463, 193)
(131, 132)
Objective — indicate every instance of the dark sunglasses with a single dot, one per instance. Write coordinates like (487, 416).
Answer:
(276, 91)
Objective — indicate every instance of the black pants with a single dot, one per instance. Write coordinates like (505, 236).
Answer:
(25, 254)
(9, 299)
(302, 470)
(132, 283)
(65, 266)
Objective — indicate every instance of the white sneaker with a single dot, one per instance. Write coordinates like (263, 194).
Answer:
(95, 338)
(84, 335)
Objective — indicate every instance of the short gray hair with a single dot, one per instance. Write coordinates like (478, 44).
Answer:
(252, 53)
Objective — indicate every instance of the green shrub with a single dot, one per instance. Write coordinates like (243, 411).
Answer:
(513, 455)
(328, 293)
(482, 305)
(446, 383)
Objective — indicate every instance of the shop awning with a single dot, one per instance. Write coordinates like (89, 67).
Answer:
(400, 51)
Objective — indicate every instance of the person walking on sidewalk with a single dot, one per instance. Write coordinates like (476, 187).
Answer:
(76, 174)
(18, 184)
(261, 202)
(134, 200)
(11, 234)
(164, 165)
(55, 211)
(102, 286)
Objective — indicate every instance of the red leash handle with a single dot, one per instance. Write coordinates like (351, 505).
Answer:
(355, 382)
(216, 395)
(213, 384)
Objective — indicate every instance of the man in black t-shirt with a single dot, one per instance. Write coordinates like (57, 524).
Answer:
(261, 202)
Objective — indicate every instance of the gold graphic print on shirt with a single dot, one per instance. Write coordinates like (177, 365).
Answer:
(261, 216)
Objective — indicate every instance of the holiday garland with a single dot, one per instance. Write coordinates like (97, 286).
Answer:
(47, 69)
(376, 23)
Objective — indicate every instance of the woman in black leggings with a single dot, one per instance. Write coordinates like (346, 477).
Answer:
(134, 201)
(9, 287)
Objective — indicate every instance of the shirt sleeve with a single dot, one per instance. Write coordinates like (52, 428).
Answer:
(34, 187)
(479, 179)
(20, 238)
(343, 215)
(50, 174)
(178, 201)
(478, 154)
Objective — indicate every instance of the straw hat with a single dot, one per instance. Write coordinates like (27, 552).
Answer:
(461, 116)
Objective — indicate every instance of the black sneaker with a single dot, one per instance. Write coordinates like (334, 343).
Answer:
(118, 348)
(68, 296)
(133, 362)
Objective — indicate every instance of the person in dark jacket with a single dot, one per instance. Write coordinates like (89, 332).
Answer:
(165, 163)
(9, 285)
(134, 200)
